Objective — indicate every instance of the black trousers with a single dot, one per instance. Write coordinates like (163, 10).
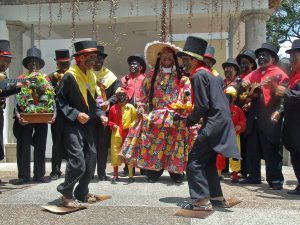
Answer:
(57, 130)
(201, 170)
(156, 174)
(1, 135)
(102, 144)
(295, 160)
(80, 144)
(244, 171)
(259, 146)
(27, 135)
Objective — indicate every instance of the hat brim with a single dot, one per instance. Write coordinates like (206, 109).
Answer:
(8, 56)
(211, 58)
(240, 56)
(289, 51)
(257, 51)
(27, 59)
(153, 49)
(83, 53)
(237, 68)
(139, 59)
(192, 54)
(103, 54)
(63, 60)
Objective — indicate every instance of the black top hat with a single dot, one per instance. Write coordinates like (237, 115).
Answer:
(273, 50)
(5, 49)
(101, 51)
(62, 55)
(194, 47)
(33, 53)
(210, 53)
(140, 59)
(248, 54)
(82, 47)
(232, 62)
(295, 46)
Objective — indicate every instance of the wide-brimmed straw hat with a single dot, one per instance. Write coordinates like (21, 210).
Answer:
(153, 49)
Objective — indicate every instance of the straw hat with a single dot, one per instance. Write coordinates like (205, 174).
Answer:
(153, 49)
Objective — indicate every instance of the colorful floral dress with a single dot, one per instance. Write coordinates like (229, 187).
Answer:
(157, 141)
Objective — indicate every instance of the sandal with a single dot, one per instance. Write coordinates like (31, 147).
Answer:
(90, 198)
(70, 203)
(195, 207)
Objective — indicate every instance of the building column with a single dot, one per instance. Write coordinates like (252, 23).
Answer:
(16, 30)
(255, 27)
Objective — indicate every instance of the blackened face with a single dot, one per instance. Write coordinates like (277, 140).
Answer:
(4, 63)
(245, 65)
(295, 60)
(230, 72)
(89, 60)
(134, 67)
(265, 59)
(167, 58)
(121, 97)
(186, 64)
(34, 65)
(208, 62)
(99, 63)
(63, 66)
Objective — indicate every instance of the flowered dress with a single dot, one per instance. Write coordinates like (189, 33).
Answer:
(157, 141)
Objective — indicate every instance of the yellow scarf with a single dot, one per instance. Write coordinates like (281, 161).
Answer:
(86, 82)
(106, 77)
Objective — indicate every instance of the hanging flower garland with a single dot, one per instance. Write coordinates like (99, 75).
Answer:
(60, 14)
(50, 18)
(163, 21)
(93, 8)
(170, 21)
(38, 97)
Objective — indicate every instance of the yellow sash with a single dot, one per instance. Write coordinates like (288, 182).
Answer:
(106, 77)
(84, 81)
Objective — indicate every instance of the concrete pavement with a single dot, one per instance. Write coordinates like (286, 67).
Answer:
(147, 203)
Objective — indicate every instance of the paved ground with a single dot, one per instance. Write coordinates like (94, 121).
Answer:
(145, 203)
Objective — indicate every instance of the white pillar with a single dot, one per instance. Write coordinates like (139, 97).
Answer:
(255, 27)
(16, 30)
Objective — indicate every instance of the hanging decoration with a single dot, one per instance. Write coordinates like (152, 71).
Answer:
(131, 7)
(50, 18)
(93, 7)
(155, 9)
(170, 21)
(74, 8)
(190, 4)
(39, 24)
(163, 21)
(137, 7)
(59, 15)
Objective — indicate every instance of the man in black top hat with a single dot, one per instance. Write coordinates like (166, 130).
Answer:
(30, 134)
(231, 72)
(217, 134)
(291, 123)
(77, 100)
(6, 89)
(107, 83)
(63, 61)
(247, 63)
(209, 59)
(263, 133)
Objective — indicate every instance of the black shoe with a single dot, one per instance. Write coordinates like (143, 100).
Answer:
(151, 180)
(294, 192)
(21, 181)
(276, 186)
(250, 181)
(54, 177)
(114, 180)
(142, 172)
(131, 180)
(41, 180)
(102, 178)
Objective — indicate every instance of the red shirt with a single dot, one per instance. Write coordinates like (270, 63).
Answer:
(271, 72)
(132, 85)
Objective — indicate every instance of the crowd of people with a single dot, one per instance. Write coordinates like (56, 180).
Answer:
(181, 116)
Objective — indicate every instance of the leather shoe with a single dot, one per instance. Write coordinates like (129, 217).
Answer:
(103, 178)
(41, 180)
(250, 181)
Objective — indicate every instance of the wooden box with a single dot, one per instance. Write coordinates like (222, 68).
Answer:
(37, 117)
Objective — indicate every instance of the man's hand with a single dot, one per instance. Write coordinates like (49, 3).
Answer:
(246, 84)
(83, 118)
(21, 120)
(237, 128)
(280, 90)
(115, 127)
(104, 120)
(105, 106)
(23, 84)
(275, 116)
(52, 119)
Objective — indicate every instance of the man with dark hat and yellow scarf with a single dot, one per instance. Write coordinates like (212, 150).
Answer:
(77, 100)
